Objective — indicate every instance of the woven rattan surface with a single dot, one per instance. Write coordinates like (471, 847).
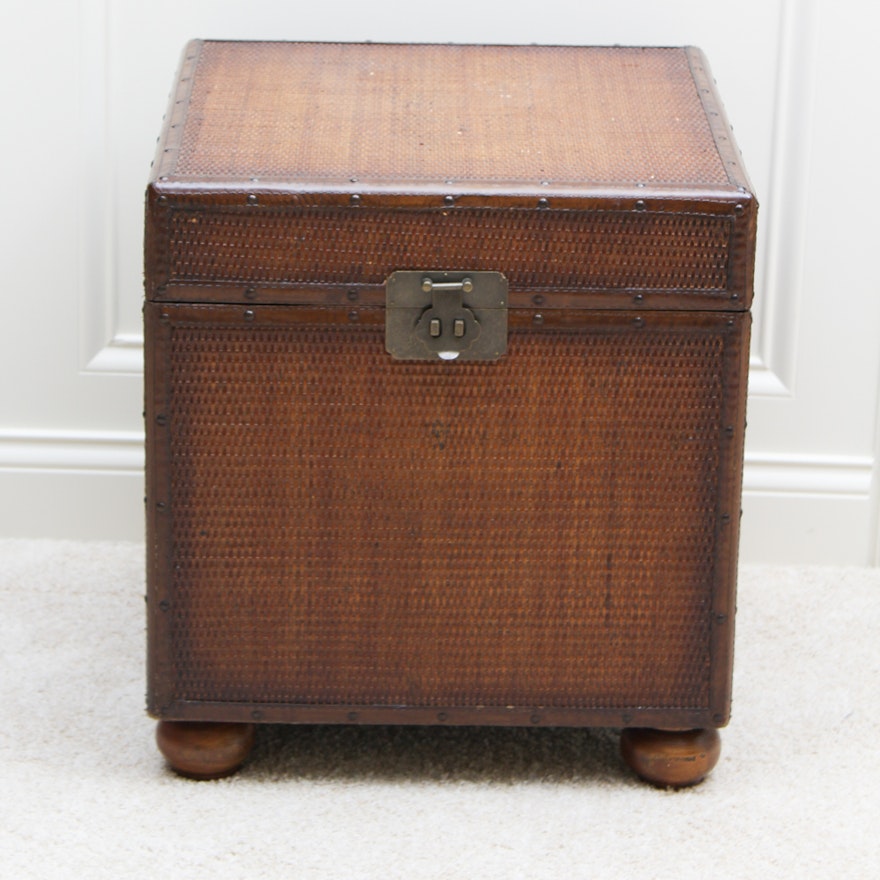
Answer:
(339, 536)
(568, 169)
(350, 530)
(537, 250)
(432, 113)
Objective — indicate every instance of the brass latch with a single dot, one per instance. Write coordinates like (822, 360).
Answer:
(446, 315)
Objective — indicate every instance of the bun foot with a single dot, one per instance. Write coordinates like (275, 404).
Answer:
(675, 758)
(204, 749)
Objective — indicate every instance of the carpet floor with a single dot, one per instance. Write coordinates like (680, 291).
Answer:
(85, 794)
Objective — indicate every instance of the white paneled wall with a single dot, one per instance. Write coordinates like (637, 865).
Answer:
(84, 89)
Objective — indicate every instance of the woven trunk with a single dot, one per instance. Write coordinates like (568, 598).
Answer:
(545, 537)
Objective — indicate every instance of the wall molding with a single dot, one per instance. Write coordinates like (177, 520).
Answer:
(123, 354)
(90, 485)
(106, 283)
(840, 476)
(108, 453)
(114, 452)
(103, 347)
(772, 370)
(874, 519)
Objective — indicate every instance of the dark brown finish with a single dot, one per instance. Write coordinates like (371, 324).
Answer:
(413, 544)
(440, 112)
(285, 165)
(546, 539)
(203, 749)
(282, 244)
(671, 758)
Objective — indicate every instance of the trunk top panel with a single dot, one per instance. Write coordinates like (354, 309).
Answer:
(603, 172)
(481, 116)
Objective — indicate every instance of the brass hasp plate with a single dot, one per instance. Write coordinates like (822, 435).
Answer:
(446, 315)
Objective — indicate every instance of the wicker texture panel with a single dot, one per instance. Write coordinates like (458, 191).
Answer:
(539, 250)
(430, 113)
(352, 530)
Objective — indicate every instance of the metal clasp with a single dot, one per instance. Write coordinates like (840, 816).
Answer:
(446, 315)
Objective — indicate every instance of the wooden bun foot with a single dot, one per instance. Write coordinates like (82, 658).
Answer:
(675, 758)
(204, 749)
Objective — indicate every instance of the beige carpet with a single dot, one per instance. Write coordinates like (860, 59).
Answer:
(84, 793)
